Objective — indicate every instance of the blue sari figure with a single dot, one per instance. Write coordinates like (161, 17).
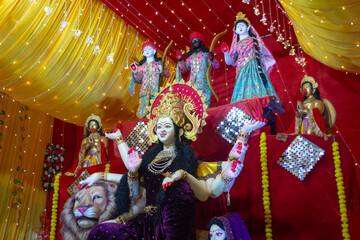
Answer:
(252, 60)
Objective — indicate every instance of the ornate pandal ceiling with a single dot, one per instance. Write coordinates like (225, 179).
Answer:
(71, 58)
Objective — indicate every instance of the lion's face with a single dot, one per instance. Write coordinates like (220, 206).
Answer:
(89, 205)
(86, 208)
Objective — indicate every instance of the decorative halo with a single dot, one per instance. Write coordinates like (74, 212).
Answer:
(194, 108)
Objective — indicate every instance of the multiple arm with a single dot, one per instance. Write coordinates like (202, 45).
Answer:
(213, 187)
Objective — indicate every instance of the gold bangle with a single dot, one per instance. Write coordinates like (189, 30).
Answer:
(185, 174)
(244, 136)
(119, 140)
(120, 219)
(103, 176)
(132, 176)
(231, 158)
(224, 178)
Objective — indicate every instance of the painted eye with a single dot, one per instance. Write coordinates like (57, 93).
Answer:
(96, 197)
(77, 199)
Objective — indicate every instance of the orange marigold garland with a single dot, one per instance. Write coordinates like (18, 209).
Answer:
(55, 207)
(265, 186)
(341, 190)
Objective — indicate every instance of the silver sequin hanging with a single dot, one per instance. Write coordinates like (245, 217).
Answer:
(230, 127)
(138, 138)
(300, 157)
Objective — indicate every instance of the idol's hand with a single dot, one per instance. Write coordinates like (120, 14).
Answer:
(113, 135)
(111, 221)
(133, 67)
(159, 69)
(211, 56)
(134, 160)
(234, 168)
(89, 181)
(238, 150)
(224, 47)
(178, 55)
(254, 125)
(178, 175)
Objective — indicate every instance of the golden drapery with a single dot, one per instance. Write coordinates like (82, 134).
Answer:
(328, 31)
(51, 70)
(25, 133)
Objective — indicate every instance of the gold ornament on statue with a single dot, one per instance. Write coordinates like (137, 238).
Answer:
(93, 117)
(181, 102)
(241, 16)
(309, 79)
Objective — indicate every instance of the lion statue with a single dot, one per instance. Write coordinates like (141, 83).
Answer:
(86, 208)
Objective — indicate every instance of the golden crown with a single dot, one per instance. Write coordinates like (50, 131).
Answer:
(183, 104)
(171, 105)
(309, 79)
(93, 117)
(241, 16)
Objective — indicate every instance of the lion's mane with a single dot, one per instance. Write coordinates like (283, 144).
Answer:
(70, 229)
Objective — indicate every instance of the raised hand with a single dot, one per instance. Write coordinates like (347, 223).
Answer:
(134, 160)
(178, 55)
(254, 125)
(178, 175)
(211, 56)
(238, 151)
(133, 67)
(113, 135)
(89, 181)
(159, 69)
(224, 47)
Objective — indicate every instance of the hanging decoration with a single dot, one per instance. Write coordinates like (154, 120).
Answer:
(265, 187)
(53, 164)
(300, 157)
(138, 138)
(55, 205)
(19, 174)
(341, 190)
(230, 127)
(107, 168)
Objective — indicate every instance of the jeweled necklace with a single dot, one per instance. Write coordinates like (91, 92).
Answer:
(157, 166)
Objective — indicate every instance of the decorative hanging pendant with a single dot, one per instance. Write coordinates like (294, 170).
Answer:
(264, 19)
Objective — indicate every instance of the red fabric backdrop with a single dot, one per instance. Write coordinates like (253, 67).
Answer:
(307, 209)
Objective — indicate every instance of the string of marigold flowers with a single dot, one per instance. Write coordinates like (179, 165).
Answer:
(55, 205)
(341, 190)
(265, 187)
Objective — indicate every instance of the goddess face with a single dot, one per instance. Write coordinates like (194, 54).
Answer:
(307, 89)
(216, 233)
(241, 28)
(149, 51)
(165, 131)
(93, 126)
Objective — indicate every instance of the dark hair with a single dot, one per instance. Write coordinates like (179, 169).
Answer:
(185, 159)
(99, 130)
(202, 48)
(316, 94)
(257, 54)
(217, 222)
(142, 61)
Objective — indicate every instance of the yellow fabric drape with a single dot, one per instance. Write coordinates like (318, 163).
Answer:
(57, 73)
(25, 134)
(328, 31)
